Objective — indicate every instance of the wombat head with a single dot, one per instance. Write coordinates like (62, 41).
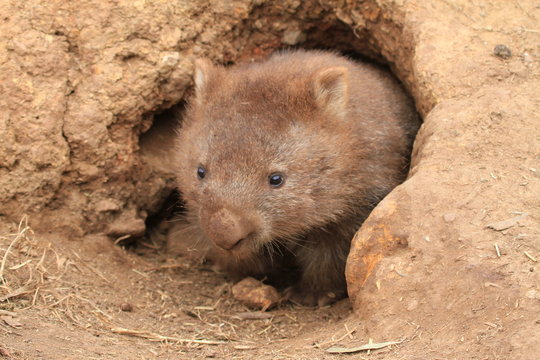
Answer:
(267, 152)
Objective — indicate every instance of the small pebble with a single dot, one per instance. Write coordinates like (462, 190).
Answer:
(449, 217)
(502, 51)
(255, 294)
(293, 37)
(127, 307)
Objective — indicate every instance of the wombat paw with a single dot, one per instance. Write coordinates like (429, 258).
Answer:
(300, 296)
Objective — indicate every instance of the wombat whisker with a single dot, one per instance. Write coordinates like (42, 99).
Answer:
(292, 242)
(176, 219)
(273, 247)
(192, 232)
(269, 250)
(199, 239)
(185, 230)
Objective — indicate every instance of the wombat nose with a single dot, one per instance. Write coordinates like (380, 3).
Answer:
(226, 229)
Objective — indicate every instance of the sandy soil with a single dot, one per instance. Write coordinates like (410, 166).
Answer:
(98, 300)
(446, 265)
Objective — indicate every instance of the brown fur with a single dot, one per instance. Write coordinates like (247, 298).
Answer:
(340, 132)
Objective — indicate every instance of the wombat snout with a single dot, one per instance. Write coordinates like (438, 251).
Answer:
(226, 228)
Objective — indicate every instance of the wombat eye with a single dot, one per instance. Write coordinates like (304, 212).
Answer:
(201, 172)
(276, 180)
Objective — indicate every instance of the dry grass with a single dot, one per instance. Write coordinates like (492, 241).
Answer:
(21, 269)
(176, 304)
(32, 275)
(157, 337)
(35, 274)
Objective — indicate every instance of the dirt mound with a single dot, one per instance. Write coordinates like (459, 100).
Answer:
(446, 265)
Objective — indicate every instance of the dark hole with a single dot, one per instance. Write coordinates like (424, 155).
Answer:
(172, 207)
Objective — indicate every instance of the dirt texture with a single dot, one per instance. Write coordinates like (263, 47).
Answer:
(446, 265)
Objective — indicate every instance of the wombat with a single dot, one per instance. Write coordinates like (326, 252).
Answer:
(280, 162)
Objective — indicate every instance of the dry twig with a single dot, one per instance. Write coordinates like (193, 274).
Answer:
(157, 337)
(347, 333)
(530, 256)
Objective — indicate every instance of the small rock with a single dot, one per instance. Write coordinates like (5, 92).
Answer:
(128, 223)
(107, 205)
(449, 217)
(127, 307)
(255, 294)
(412, 305)
(134, 228)
(170, 58)
(502, 51)
(87, 171)
(293, 37)
(532, 294)
(508, 223)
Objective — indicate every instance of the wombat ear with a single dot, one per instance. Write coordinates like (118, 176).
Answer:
(330, 88)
